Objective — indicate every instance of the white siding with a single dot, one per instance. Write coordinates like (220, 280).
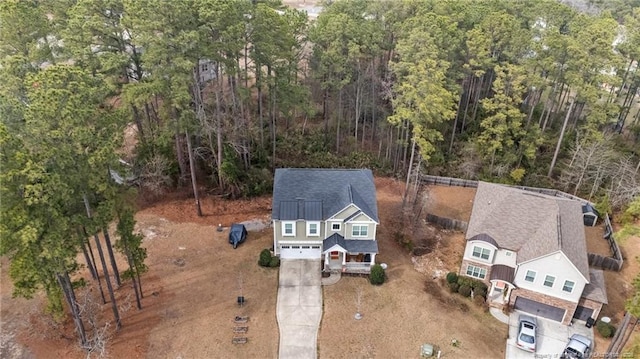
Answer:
(557, 265)
(468, 251)
(503, 257)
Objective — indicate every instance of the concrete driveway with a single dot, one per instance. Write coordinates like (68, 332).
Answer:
(299, 308)
(551, 337)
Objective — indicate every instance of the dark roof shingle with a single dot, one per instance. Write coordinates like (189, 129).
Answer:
(322, 193)
(531, 224)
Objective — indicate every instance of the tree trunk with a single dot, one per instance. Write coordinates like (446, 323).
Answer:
(406, 185)
(114, 305)
(192, 169)
(90, 264)
(104, 300)
(112, 258)
(219, 134)
(133, 279)
(178, 144)
(564, 127)
(325, 115)
(339, 119)
(67, 289)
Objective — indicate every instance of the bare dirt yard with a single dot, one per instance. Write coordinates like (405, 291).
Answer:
(195, 277)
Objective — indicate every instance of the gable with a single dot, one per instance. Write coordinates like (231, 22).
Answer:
(359, 217)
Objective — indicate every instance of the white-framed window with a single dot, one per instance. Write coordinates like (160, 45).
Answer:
(289, 229)
(476, 272)
(508, 253)
(335, 226)
(313, 228)
(568, 286)
(360, 230)
(530, 276)
(549, 280)
(480, 252)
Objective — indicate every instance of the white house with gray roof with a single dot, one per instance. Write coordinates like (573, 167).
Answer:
(531, 250)
(328, 214)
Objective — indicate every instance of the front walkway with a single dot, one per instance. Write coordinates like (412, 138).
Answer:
(299, 308)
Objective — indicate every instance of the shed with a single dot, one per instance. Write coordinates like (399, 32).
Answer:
(589, 214)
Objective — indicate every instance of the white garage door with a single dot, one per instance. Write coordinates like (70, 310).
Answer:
(300, 251)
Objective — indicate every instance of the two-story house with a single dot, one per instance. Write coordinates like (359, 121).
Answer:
(328, 214)
(531, 251)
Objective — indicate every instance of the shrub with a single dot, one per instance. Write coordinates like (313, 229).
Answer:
(480, 292)
(480, 286)
(453, 287)
(478, 300)
(463, 280)
(274, 262)
(464, 290)
(452, 277)
(265, 258)
(605, 329)
(377, 276)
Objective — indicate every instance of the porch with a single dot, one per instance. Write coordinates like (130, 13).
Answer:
(349, 256)
(348, 267)
(501, 284)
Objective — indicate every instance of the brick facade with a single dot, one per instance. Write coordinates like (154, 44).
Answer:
(588, 303)
(568, 306)
(463, 270)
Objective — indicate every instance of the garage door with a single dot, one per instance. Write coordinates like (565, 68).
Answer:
(539, 309)
(582, 313)
(300, 252)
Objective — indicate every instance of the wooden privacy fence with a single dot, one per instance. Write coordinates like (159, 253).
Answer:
(447, 223)
(614, 262)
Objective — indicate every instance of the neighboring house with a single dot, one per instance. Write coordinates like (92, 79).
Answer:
(531, 251)
(326, 213)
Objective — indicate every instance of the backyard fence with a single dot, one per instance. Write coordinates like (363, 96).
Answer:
(614, 262)
(447, 223)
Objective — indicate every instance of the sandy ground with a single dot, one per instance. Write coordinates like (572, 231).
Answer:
(195, 277)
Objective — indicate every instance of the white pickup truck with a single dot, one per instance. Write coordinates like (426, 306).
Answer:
(579, 347)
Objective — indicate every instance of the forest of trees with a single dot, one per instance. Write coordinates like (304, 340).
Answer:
(221, 92)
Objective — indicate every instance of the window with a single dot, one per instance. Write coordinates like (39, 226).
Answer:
(548, 281)
(335, 255)
(359, 230)
(476, 272)
(313, 228)
(507, 253)
(480, 252)
(568, 286)
(531, 276)
(289, 229)
(335, 226)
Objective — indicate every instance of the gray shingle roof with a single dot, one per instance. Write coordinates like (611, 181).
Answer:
(317, 194)
(531, 224)
(351, 245)
(596, 289)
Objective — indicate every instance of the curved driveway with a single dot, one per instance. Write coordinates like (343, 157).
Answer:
(299, 308)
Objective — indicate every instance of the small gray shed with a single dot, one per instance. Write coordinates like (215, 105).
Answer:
(589, 214)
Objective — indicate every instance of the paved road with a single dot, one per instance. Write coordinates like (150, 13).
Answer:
(299, 308)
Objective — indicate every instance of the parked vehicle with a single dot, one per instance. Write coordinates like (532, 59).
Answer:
(237, 234)
(527, 327)
(579, 347)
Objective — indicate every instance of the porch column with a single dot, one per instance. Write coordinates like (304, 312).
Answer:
(344, 258)
(326, 259)
(373, 259)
